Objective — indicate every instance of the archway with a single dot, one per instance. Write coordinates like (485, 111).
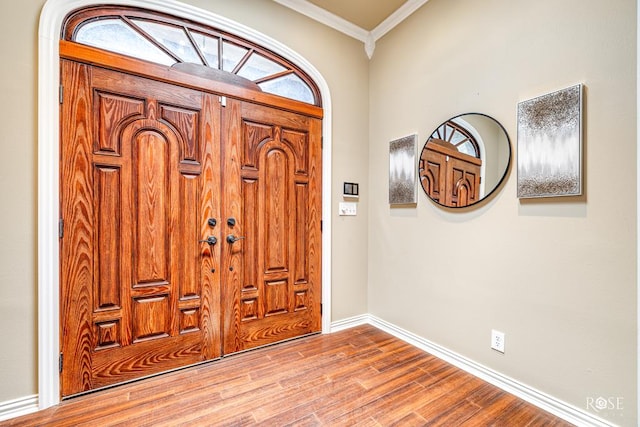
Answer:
(52, 17)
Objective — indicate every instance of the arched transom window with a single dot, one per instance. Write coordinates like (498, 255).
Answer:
(459, 137)
(167, 40)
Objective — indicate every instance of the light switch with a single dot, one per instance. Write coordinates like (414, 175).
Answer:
(347, 208)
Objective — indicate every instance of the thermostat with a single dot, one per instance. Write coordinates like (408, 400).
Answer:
(350, 189)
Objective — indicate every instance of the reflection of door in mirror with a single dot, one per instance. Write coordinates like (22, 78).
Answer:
(450, 166)
(450, 177)
(464, 160)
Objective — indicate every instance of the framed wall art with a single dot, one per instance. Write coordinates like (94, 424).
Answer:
(402, 170)
(550, 144)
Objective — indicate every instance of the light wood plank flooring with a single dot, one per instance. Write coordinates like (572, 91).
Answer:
(358, 377)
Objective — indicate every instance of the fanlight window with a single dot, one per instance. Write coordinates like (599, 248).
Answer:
(165, 40)
(459, 137)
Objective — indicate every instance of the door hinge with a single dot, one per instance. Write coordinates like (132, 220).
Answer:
(321, 309)
(60, 364)
(61, 94)
(223, 101)
(61, 228)
(321, 226)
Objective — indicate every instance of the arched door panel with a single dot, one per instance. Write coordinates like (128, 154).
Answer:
(272, 167)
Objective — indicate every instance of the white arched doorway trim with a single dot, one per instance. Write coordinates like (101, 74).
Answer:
(51, 19)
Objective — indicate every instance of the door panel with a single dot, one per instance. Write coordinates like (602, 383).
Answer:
(463, 182)
(433, 175)
(77, 337)
(271, 169)
(138, 295)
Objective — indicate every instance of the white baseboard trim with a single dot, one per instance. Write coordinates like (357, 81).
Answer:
(529, 394)
(18, 407)
(341, 325)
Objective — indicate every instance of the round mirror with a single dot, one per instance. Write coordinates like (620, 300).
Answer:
(464, 160)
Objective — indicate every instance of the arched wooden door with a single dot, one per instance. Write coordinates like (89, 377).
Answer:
(448, 176)
(190, 221)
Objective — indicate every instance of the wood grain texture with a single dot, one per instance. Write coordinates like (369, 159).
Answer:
(357, 377)
(77, 209)
(232, 271)
(135, 206)
(272, 188)
(146, 164)
(102, 58)
(210, 316)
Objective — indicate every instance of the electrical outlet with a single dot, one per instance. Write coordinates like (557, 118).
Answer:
(497, 340)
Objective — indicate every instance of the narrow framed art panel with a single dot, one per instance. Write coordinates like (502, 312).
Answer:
(550, 144)
(402, 170)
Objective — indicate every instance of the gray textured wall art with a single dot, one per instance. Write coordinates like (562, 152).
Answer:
(550, 144)
(402, 171)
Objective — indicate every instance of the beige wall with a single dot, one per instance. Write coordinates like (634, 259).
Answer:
(18, 215)
(340, 59)
(557, 276)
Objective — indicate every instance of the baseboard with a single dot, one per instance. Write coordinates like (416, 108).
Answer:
(18, 407)
(529, 394)
(340, 325)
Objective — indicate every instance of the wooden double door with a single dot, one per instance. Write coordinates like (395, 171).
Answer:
(448, 176)
(190, 226)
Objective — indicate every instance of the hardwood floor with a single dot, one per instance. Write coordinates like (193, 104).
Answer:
(358, 377)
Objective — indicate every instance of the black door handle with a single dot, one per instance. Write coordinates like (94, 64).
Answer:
(211, 240)
(231, 239)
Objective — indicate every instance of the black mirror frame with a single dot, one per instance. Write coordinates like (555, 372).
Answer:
(498, 184)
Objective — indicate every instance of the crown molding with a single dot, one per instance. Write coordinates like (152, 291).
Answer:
(402, 13)
(369, 38)
(327, 18)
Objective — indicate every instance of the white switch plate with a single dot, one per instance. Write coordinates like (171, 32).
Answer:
(347, 208)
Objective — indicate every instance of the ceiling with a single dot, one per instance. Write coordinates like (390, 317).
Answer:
(364, 20)
(366, 14)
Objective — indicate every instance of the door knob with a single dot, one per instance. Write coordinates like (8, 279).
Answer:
(211, 240)
(232, 239)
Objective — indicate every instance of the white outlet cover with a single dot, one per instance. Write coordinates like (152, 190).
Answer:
(497, 340)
